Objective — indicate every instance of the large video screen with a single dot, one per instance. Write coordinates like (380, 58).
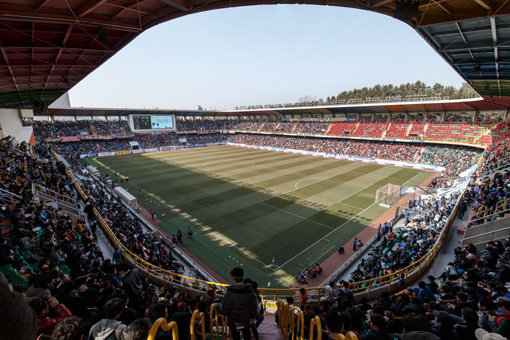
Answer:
(153, 122)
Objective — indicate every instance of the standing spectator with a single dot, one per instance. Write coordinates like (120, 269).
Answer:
(240, 305)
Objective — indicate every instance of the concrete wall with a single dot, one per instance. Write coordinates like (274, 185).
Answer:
(11, 124)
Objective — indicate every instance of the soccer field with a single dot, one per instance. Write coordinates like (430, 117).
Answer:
(251, 206)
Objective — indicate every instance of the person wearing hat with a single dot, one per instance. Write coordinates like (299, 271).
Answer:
(501, 324)
(240, 305)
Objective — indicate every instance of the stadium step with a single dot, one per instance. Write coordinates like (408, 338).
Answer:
(409, 128)
(268, 329)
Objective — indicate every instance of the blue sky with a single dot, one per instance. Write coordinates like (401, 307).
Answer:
(261, 55)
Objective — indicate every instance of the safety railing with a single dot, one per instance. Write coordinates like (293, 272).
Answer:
(266, 293)
(218, 324)
(165, 326)
(52, 193)
(349, 336)
(192, 324)
(315, 326)
(483, 211)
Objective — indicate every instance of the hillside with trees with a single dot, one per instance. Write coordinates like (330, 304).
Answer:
(418, 91)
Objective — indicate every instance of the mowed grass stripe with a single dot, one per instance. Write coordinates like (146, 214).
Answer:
(140, 164)
(221, 160)
(321, 186)
(311, 168)
(180, 175)
(205, 155)
(202, 182)
(335, 193)
(231, 219)
(216, 203)
(364, 199)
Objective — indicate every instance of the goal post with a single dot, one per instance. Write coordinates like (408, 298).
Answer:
(387, 195)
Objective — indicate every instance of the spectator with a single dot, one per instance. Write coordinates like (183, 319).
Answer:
(240, 305)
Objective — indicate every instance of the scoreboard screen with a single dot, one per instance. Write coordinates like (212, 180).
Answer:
(151, 122)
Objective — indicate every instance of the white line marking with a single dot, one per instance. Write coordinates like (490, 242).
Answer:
(302, 217)
(331, 232)
(352, 206)
(410, 179)
(304, 179)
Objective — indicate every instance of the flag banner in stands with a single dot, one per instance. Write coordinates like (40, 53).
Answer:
(419, 166)
(70, 139)
(88, 155)
(103, 154)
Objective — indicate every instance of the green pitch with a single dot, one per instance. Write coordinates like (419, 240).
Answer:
(248, 206)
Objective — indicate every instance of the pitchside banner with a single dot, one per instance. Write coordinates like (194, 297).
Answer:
(161, 148)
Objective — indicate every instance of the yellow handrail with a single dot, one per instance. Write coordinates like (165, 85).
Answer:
(197, 314)
(214, 325)
(161, 322)
(315, 323)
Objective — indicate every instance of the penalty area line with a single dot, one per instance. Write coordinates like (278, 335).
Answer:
(322, 238)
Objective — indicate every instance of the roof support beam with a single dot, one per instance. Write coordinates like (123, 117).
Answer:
(487, 4)
(179, 6)
(134, 8)
(89, 6)
(41, 4)
(465, 40)
(379, 3)
(6, 59)
(496, 50)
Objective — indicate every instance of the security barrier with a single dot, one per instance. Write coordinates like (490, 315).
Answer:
(192, 330)
(161, 322)
(218, 325)
(315, 324)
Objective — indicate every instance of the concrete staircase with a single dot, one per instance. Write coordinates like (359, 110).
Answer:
(268, 330)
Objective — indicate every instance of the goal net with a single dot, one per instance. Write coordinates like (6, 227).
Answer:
(387, 195)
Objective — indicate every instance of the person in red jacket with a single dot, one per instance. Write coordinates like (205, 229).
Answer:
(45, 324)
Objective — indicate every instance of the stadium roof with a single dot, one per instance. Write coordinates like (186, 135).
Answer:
(478, 49)
(474, 104)
(47, 46)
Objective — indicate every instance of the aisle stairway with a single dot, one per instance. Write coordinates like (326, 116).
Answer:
(268, 330)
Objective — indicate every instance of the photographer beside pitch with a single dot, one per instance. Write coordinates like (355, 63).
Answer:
(240, 305)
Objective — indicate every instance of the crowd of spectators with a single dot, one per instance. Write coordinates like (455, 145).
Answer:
(92, 146)
(61, 128)
(454, 158)
(56, 262)
(312, 127)
(187, 125)
(470, 301)
(107, 128)
(423, 222)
